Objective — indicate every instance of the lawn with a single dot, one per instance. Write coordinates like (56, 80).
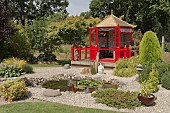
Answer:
(47, 107)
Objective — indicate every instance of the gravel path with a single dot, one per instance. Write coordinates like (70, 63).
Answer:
(85, 100)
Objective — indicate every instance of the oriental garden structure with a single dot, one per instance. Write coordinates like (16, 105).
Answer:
(111, 38)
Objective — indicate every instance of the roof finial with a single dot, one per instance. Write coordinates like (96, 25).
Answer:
(112, 12)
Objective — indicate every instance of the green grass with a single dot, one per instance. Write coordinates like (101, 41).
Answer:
(47, 107)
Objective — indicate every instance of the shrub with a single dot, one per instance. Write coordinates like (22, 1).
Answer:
(46, 57)
(153, 79)
(146, 89)
(162, 67)
(167, 47)
(126, 67)
(150, 50)
(27, 68)
(13, 89)
(14, 61)
(9, 71)
(165, 80)
(117, 98)
(63, 62)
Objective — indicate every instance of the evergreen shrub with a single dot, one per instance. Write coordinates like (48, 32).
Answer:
(153, 79)
(126, 67)
(150, 50)
(27, 68)
(117, 98)
(162, 67)
(13, 89)
(166, 80)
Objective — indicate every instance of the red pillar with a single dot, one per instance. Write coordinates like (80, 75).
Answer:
(125, 51)
(72, 53)
(85, 52)
(79, 52)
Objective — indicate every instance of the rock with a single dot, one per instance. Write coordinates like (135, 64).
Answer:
(51, 92)
(67, 66)
(85, 71)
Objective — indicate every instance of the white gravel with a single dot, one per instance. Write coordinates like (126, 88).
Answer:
(85, 100)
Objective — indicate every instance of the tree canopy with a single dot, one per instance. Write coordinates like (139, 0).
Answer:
(33, 9)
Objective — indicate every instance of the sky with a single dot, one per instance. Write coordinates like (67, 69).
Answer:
(77, 6)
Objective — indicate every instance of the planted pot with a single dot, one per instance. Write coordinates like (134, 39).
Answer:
(147, 100)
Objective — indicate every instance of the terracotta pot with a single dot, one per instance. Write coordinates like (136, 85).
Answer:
(147, 100)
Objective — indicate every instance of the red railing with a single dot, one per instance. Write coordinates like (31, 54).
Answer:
(118, 53)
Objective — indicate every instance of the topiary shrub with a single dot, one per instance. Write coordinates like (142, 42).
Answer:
(9, 71)
(117, 98)
(27, 68)
(150, 50)
(153, 79)
(165, 80)
(126, 67)
(13, 89)
(63, 62)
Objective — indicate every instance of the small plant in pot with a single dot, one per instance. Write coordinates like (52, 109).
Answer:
(145, 95)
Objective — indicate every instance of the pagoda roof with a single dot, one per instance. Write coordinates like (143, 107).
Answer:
(112, 21)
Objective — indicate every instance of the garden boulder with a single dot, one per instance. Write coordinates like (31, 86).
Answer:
(51, 92)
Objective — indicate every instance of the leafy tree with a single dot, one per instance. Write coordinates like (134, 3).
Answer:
(150, 50)
(74, 30)
(17, 45)
(42, 37)
(86, 15)
(6, 29)
(34, 9)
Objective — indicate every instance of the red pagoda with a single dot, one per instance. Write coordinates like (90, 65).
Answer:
(112, 38)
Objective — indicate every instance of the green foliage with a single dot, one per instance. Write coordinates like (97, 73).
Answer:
(46, 57)
(162, 67)
(87, 83)
(27, 68)
(146, 89)
(150, 50)
(63, 62)
(14, 61)
(167, 47)
(126, 67)
(153, 79)
(13, 89)
(73, 30)
(165, 80)
(32, 10)
(9, 71)
(17, 45)
(117, 98)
